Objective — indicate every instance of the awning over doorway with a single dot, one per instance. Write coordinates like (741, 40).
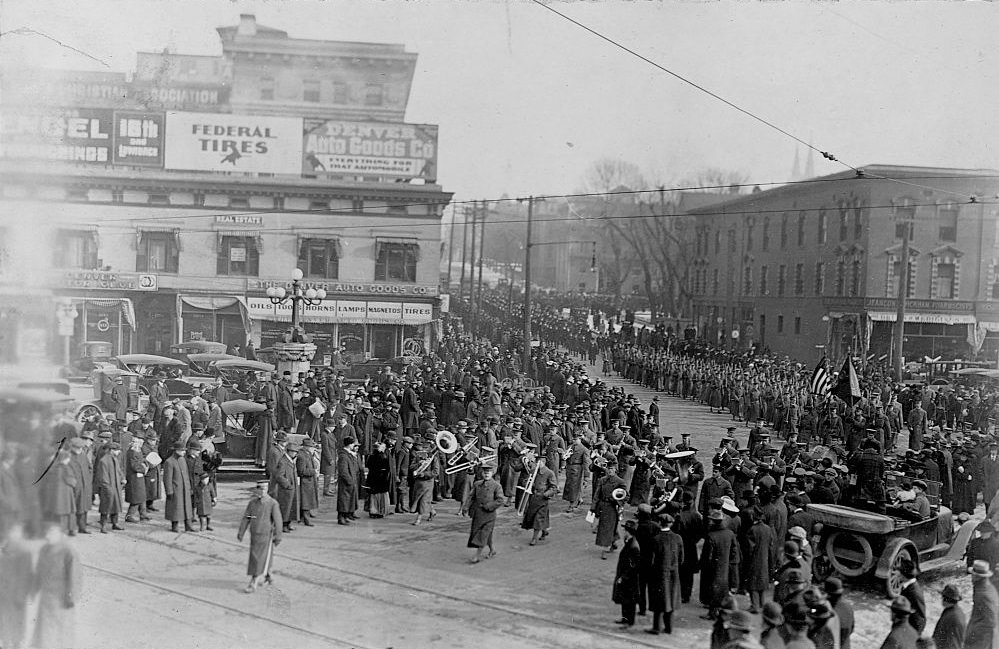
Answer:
(123, 303)
(220, 304)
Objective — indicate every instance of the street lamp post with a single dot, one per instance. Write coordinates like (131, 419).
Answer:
(297, 348)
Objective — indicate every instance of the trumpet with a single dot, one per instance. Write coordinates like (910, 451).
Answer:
(566, 454)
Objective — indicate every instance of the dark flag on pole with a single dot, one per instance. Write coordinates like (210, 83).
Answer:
(821, 381)
(847, 386)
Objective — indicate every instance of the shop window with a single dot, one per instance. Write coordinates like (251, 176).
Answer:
(76, 249)
(238, 256)
(945, 281)
(157, 252)
(373, 94)
(319, 258)
(948, 221)
(395, 261)
(310, 91)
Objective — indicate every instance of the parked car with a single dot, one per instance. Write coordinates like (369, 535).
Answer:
(90, 355)
(200, 364)
(109, 385)
(183, 350)
(147, 365)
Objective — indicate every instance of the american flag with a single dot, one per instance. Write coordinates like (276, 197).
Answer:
(821, 381)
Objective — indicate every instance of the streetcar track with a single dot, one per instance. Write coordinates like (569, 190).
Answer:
(231, 609)
(516, 613)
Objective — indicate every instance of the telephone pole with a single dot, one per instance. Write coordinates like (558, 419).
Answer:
(450, 244)
(903, 293)
(471, 264)
(527, 286)
(464, 250)
(482, 253)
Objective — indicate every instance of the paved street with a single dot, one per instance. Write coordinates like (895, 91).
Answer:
(383, 583)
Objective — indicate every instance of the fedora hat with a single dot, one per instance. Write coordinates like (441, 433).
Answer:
(980, 569)
(772, 614)
(739, 620)
(951, 593)
(901, 605)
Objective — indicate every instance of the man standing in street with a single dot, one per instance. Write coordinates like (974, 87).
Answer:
(135, 481)
(990, 474)
(348, 489)
(263, 519)
(83, 470)
(536, 514)
(950, 628)
(177, 486)
(902, 634)
(283, 486)
(108, 480)
(285, 404)
(917, 426)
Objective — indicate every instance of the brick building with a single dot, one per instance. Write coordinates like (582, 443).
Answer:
(813, 267)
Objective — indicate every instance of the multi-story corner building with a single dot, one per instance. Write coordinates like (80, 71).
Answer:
(814, 267)
(164, 203)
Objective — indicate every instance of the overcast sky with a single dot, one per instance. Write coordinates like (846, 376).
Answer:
(526, 101)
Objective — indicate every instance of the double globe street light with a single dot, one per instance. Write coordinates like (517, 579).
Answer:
(309, 297)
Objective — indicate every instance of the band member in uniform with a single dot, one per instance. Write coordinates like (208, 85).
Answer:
(607, 509)
(484, 498)
(262, 518)
(572, 492)
(423, 483)
(544, 488)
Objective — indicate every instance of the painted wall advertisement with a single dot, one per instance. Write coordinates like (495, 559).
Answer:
(370, 148)
(217, 142)
(87, 135)
(67, 134)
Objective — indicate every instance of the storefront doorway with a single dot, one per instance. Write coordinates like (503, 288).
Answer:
(383, 341)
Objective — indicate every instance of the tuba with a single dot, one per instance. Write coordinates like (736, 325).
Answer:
(446, 442)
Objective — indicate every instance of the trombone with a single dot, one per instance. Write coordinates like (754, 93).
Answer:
(528, 488)
(462, 452)
(472, 463)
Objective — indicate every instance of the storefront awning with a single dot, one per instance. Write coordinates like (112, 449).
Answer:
(931, 318)
(344, 312)
(253, 236)
(146, 229)
(222, 304)
(409, 242)
(125, 304)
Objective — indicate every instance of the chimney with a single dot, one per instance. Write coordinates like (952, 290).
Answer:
(247, 25)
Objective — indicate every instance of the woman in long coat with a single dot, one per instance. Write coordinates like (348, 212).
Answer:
(379, 481)
(607, 510)
(308, 480)
(664, 581)
(484, 498)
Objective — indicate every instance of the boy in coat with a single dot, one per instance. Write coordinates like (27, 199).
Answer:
(262, 518)
(626, 577)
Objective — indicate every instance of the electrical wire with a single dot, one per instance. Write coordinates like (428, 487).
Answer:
(748, 113)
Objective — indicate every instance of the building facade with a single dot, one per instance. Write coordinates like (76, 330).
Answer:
(164, 204)
(813, 267)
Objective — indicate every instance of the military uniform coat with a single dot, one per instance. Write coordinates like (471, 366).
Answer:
(262, 518)
(484, 498)
(177, 485)
(537, 516)
(572, 491)
(606, 509)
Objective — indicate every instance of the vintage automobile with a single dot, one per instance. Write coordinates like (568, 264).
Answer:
(183, 350)
(147, 365)
(200, 364)
(233, 370)
(238, 441)
(110, 386)
(90, 355)
(857, 543)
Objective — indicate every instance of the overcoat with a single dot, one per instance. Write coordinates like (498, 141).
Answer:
(60, 490)
(606, 509)
(108, 482)
(177, 486)
(572, 491)
(379, 473)
(537, 516)
(409, 409)
(484, 498)
(758, 567)
(16, 560)
(719, 566)
(348, 489)
(135, 477)
(308, 483)
(626, 576)
(328, 444)
(57, 580)
(950, 629)
(664, 583)
(283, 489)
(152, 474)
(83, 470)
(285, 408)
(202, 488)
(981, 631)
(262, 518)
